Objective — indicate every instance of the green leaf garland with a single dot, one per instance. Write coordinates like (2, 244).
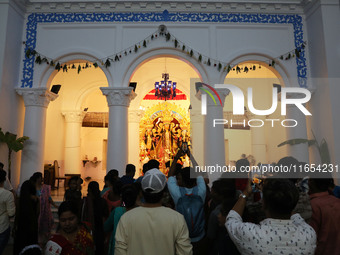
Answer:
(39, 58)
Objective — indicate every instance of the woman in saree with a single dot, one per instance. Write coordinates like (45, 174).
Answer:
(45, 221)
(129, 197)
(72, 237)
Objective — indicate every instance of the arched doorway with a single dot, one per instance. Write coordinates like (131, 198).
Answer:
(76, 123)
(245, 136)
(160, 121)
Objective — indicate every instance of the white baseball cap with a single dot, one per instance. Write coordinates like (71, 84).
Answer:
(154, 180)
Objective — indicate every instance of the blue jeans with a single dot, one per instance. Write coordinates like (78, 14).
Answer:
(4, 237)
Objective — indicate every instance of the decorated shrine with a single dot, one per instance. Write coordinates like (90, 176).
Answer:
(163, 130)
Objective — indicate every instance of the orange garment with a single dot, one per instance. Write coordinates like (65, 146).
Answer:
(111, 204)
(326, 222)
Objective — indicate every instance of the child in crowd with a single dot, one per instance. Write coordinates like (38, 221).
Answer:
(73, 193)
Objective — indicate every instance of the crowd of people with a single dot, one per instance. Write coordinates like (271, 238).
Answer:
(174, 214)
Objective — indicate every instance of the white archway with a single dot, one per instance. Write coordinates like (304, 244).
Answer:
(163, 52)
(48, 73)
(264, 141)
(196, 71)
(66, 140)
(260, 57)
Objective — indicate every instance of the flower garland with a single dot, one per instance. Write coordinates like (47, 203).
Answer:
(160, 33)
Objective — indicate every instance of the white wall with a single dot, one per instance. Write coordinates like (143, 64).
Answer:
(226, 42)
(11, 106)
(239, 143)
(92, 140)
(275, 136)
(214, 40)
(323, 23)
(331, 26)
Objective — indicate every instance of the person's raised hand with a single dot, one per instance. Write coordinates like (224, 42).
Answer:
(248, 190)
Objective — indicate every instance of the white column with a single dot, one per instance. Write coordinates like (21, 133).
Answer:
(36, 101)
(73, 121)
(117, 147)
(258, 139)
(134, 120)
(298, 151)
(197, 136)
(214, 150)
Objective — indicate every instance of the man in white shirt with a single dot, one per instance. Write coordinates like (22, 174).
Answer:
(282, 232)
(152, 229)
(7, 210)
(7, 183)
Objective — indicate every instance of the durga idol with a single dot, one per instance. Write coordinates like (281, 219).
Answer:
(168, 140)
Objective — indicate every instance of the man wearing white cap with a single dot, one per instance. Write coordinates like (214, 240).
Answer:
(152, 229)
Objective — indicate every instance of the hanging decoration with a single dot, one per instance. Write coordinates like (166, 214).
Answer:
(165, 89)
(179, 95)
(160, 33)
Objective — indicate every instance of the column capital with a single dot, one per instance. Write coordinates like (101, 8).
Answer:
(118, 96)
(222, 93)
(73, 116)
(36, 96)
(135, 115)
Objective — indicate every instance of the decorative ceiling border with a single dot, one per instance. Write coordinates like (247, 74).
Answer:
(248, 6)
(165, 16)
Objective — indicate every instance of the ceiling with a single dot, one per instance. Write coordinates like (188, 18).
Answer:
(249, 6)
